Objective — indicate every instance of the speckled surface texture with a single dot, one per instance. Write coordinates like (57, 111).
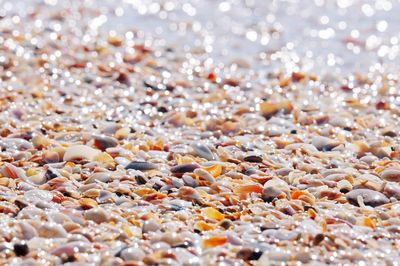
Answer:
(199, 132)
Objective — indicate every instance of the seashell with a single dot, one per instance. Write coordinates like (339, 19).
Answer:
(104, 142)
(214, 241)
(204, 174)
(172, 238)
(203, 151)
(213, 214)
(215, 170)
(40, 142)
(105, 159)
(188, 193)
(87, 203)
(297, 146)
(122, 161)
(150, 226)
(106, 197)
(8, 208)
(52, 230)
(51, 173)
(344, 186)
(392, 189)
(368, 159)
(202, 226)
(269, 109)
(179, 170)
(277, 183)
(27, 231)
(246, 189)
(37, 194)
(185, 257)
(270, 193)
(15, 144)
(58, 217)
(115, 41)
(133, 253)
(280, 234)
(247, 253)
(80, 152)
(381, 150)
(141, 166)
(122, 133)
(51, 157)
(324, 143)
(103, 177)
(13, 172)
(253, 159)
(391, 174)
(98, 215)
(369, 197)
(189, 181)
(38, 179)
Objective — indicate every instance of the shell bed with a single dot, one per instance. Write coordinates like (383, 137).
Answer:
(202, 132)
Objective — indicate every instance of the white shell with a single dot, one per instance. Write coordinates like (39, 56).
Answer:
(80, 152)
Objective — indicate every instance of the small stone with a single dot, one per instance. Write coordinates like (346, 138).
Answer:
(21, 249)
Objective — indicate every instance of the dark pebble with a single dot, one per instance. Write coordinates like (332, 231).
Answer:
(21, 249)
(141, 180)
(318, 239)
(249, 254)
